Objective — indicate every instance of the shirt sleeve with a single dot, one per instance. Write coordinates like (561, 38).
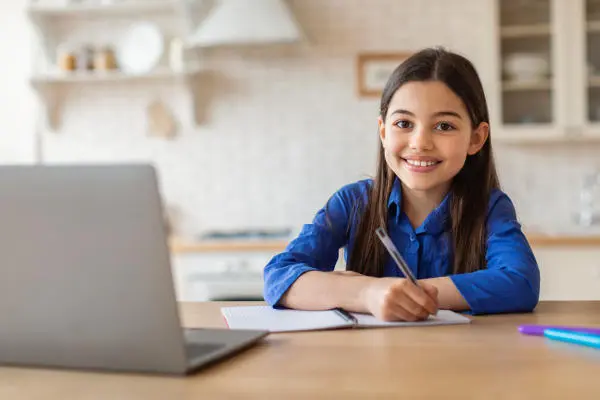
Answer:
(315, 249)
(511, 280)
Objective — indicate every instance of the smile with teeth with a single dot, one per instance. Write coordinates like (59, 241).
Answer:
(418, 163)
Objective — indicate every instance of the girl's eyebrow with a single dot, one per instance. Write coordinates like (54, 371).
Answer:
(401, 111)
(447, 113)
(436, 114)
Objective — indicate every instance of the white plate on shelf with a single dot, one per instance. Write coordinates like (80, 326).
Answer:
(141, 49)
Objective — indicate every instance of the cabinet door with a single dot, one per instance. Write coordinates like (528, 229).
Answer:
(569, 273)
(533, 90)
(587, 64)
(213, 276)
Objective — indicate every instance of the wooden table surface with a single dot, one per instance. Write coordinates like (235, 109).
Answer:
(487, 359)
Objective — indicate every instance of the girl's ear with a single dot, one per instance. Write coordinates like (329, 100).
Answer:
(381, 124)
(478, 138)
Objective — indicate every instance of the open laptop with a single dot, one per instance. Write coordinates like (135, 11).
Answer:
(85, 276)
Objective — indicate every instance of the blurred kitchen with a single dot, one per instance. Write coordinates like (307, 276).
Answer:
(256, 111)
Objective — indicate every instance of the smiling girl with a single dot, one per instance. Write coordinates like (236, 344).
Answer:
(437, 194)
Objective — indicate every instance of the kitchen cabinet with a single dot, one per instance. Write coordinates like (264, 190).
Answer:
(222, 275)
(223, 270)
(569, 272)
(546, 57)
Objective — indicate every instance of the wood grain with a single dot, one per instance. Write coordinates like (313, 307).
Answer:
(487, 359)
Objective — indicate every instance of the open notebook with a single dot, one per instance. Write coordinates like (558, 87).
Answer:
(277, 320)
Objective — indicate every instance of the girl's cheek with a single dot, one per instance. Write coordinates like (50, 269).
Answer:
(395, 145)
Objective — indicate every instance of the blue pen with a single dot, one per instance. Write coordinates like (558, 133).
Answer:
(584, 339)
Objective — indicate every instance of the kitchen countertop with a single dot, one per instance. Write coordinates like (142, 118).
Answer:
(182, 246)
(538, 239)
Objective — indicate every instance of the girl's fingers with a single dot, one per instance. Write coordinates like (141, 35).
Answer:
(400, 304)
(408, 304)
(421, 297)
(392, 308)
(399, 313)
(432, 291)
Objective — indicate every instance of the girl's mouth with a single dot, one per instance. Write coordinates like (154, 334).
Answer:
(420, 165)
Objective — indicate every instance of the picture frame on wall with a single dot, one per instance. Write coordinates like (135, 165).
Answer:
(374, 69)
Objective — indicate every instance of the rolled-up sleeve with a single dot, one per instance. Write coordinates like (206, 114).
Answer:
(511, 280)
(315, 249)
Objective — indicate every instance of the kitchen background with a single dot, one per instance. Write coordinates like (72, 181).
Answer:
(264, 134)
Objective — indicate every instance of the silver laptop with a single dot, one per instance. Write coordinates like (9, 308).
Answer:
(85, 277)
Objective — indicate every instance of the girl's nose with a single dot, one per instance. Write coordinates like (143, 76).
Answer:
(421, 139)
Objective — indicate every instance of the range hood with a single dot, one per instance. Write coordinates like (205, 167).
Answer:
(246, 22)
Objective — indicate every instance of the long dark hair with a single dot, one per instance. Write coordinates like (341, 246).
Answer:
(470, 188)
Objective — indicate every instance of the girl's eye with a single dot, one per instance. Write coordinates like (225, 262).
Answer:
(444, 126)
(403, 124)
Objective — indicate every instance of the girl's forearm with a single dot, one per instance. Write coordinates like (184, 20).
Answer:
(316, 290)
(448, 295)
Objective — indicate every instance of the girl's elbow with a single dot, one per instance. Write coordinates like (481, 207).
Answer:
(528, 294)
(530, 300)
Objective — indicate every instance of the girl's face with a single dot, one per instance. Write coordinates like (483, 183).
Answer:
(427, 136)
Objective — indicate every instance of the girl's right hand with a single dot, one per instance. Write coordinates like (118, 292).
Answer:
(398, 299)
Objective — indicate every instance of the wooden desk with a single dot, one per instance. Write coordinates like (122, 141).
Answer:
(487, 359)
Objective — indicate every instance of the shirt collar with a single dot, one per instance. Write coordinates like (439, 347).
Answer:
(435, 222)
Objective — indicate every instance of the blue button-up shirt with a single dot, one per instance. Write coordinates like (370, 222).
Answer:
(509, 282)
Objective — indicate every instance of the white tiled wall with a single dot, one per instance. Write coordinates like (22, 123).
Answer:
(281, 128)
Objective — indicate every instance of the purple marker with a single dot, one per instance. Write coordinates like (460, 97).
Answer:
(538, 330)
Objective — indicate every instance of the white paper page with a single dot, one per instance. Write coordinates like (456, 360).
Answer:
(443, 317)
(274, 320)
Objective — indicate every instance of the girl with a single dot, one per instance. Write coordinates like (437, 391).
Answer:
(437, 194)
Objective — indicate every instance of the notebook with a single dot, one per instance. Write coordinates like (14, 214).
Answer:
(285, 320)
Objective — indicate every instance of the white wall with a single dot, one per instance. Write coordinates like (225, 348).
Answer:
(17, 101)
(281, 128)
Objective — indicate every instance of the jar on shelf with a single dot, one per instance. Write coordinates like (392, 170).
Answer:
(105, 59)
(66, 58)
(85, 58)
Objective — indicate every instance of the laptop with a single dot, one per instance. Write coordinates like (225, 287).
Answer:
(85, 276)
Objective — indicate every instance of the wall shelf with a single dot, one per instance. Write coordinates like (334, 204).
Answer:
(548, 140)
(126, 8)
(520, 31)
(546, 134)
(512, 86)
(593, 26)
(48, 86)
(53, 85)
(117, 76)
(594, 81)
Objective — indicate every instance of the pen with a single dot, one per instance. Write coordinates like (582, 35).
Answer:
(345, 315)
(538, 330)
(391, 248)
(583, 339)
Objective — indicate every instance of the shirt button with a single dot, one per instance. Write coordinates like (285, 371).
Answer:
(412, 238)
